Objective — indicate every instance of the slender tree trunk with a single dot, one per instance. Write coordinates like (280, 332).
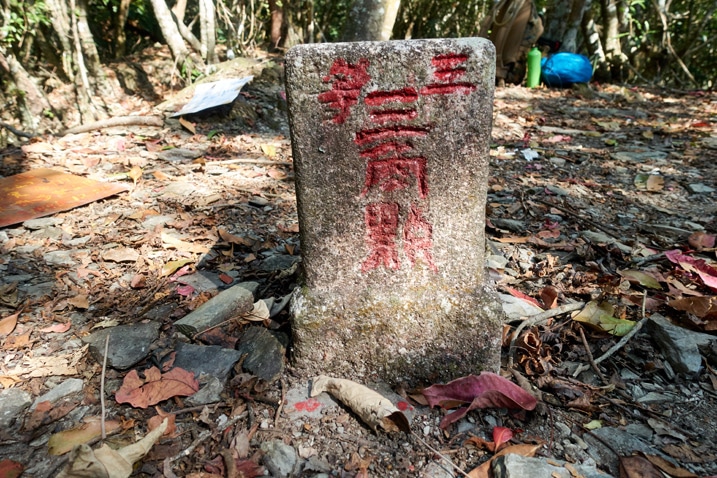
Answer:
(179, 9)
(611, 38)
(371, 20)
(207, 27)
(170, 32)
(277, 23)
(570, 39)
(594, 45)
(554, 25)
(61, 24)
(32, 102)
(120, 46)
(90, 53)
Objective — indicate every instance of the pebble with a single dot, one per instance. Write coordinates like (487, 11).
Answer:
(279, 458)
(68, 387)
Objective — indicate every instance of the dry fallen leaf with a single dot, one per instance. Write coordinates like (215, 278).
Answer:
(91, 428)
(84, 462)
(155, 387)
(7, 325)
(372, 407)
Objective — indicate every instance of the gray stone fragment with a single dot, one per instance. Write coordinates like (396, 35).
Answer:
(278, 262)
(42, 222)
(66, 388)
(700, 188)
(279, 458)
(229, 303)
(13, 403)
(128, 343)
(602, 238)
(622, 442)
(265, 354)
(639, 157)
(59, 258)
(437, 469)
(179, 154)
(679, 346)
(517, 466)
(208, 393)
(202, 281)
(156, 220)
(208, 359)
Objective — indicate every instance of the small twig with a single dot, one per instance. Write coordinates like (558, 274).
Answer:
(605, 229)
(445, 458)
(16, 131)
(590, 357)
(116, 121)
(102, 387)
(204, 436)
(281, 404)
(250, 161)
(537, 319)
(635, 329)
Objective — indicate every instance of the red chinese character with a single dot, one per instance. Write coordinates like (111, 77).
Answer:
(394, 174)
(448, 68)
(418, 237)
(382, 229)
(346, 80)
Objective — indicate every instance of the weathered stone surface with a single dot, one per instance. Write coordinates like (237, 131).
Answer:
(208, 359)
(390, 144)
(128, 343)
(229, 303)
(264, 353)
(517, 466)
(680, 346)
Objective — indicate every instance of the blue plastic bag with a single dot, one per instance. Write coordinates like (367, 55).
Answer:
(564, 69)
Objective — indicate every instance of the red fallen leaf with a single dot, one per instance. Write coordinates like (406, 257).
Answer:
(155, 387)
(249, 469)
(479, 391)
(139, 281)
(700, 240)
(707, 273)
(549, 296)
(10, 469)
(185, 290)
(59, 328)
(638, 467)
(226, 278)
(520, 295)
(501, 435)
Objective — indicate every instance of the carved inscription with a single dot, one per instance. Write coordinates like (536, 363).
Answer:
(393, 163)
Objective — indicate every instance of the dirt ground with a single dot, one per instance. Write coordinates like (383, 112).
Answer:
(587, 183)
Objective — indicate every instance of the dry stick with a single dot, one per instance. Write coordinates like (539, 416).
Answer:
(102, 387)
(635, 329)
(16, 131)
(590, 357)
(116, 121)
(606, 230)
(202, 437)
(281, 404)
(433, 450)
(537, 319)
(250, 161)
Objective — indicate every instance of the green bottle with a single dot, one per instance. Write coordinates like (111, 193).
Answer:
(534, 57)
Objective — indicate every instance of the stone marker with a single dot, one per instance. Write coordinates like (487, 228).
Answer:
(390, 143)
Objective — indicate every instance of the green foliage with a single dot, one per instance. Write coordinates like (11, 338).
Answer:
(21, 19)
(435, 19)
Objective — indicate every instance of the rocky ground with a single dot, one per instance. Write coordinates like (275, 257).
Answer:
(591, 187)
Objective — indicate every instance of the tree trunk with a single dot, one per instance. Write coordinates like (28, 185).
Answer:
(170, 32)
(570, 39)
(120, 46)
(89, 51)
(594, 45)
(32, 102)
(61, 24)
(554, 25)
(208, 29)
(276, 24)
(371, 20)
(611, 38)
(179, 9)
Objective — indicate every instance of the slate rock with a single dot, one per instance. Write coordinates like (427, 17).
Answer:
(229, 303)
(279, 458)
(278, 262)
(437, 470)
(624, 443)
(202, 281)
(517, 466)
(63, 390)
(59, 258)
(680, 346)
(42, 223)
(209, 392)
(208, 359)
(128, 343)
(13, 403)
(265, 353)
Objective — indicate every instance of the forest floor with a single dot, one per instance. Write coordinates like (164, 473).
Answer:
(589, 188)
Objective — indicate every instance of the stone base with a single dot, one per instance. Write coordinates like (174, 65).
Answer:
(424, 336)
